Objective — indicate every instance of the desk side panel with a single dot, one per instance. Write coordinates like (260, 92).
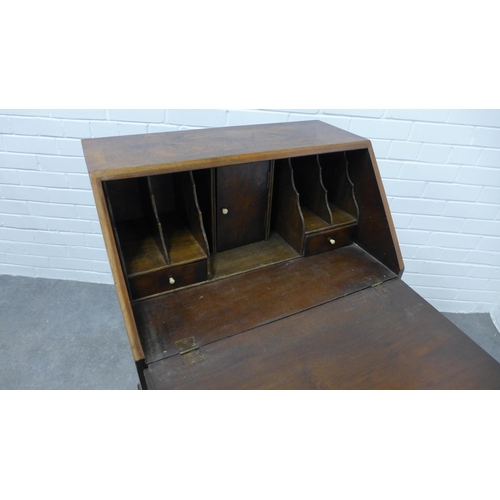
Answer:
(116, 268)
(375, 233)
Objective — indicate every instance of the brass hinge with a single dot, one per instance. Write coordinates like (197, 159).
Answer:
(380, 288)
(189, 351)
(376, 283)
(370, 280)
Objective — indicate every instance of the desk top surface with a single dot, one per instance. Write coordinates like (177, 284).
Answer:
(144, 153)
(383, 337)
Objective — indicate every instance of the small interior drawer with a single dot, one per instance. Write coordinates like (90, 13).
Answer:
(329, 239)
(167, 279)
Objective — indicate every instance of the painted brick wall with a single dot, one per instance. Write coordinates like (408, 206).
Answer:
(441, 171)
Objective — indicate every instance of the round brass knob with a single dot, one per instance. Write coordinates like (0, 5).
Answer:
(171, 281)
(332, 241)
(225, 211)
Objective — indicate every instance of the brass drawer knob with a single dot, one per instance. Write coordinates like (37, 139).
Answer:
(225, 211)
(332, 241)
(171, 281)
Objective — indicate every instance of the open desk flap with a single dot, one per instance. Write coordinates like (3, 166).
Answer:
(383, 337)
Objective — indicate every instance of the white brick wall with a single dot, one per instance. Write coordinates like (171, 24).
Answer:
(441, 171)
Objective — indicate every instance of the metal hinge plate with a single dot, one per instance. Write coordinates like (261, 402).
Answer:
(189, 351)
(380, 288)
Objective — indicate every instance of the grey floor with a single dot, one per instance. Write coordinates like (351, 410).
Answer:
(57, 334)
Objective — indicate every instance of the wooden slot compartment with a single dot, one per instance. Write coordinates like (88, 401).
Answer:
(312, 193)
(204, 180)
(134, 224)
(159, 232)
(287, 218)
(340, 188)
(327, 201)
(303, 214)
(180, 217)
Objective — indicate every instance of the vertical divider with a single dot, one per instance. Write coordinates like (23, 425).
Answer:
(213, 207)
(314, 196)
(323, 189)
(159, 234)
(287, 215)
(192, 211)
(353, 192)
(270, 186)
(338, 182)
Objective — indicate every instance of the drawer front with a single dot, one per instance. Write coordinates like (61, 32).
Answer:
(164, 280)
(328, 240)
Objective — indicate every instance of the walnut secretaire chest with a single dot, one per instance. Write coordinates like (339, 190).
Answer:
(265, 256)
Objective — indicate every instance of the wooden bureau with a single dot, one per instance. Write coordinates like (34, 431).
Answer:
(265, 257)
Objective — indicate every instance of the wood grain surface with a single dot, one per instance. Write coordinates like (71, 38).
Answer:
(145, 154)
(215, 310)
(385, 337)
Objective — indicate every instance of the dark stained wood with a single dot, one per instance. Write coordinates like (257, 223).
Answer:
(312, 222)
(155, 282)
(341, 218)
(117, 269)
(386, 337)
(337, 182)
(139, 234)
(270, 190)
(193, 149)
(287, 218)
(307, 178)
(374, 225)
(116, 240)
(203, 180)
(159, 197)
(215, 310)
(144, 262)
(126, 196)
(191, 210)
(139, 247)
(163, 188)
(177, 215)
(322, 241)
(158, 229)
(254, 256)
(242, 194)
(182, 245)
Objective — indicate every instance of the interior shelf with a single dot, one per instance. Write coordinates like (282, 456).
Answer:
(257, 214)
(254, 256)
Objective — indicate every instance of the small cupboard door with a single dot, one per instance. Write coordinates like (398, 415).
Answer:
(241, 204)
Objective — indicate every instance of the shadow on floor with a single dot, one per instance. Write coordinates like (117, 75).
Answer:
(57, 334)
